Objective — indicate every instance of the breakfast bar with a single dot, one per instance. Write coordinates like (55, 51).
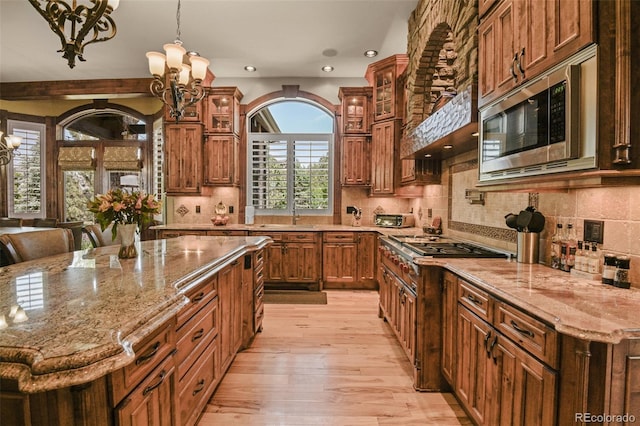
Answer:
(82, 331)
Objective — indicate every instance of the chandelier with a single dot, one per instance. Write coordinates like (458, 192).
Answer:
(7, 145)
(78, 24)
(175, 83)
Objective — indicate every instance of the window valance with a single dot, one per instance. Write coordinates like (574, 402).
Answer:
(76, 158)
(122, 158)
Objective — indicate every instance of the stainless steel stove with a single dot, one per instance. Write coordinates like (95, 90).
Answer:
(428, 246)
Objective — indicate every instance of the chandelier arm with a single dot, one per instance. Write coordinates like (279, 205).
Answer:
(94, 20)
(5, 153)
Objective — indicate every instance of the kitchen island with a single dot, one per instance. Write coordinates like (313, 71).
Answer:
(82, 332)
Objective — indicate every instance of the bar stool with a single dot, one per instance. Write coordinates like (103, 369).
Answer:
(36, 244)
(76, 229)
(49, 222)
(98, 237)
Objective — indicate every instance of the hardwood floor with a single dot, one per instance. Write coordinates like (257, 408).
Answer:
(334, 364)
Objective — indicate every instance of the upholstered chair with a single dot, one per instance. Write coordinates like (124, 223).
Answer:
(10, 221)
(45, 223)
(36, 244)
(98, 237)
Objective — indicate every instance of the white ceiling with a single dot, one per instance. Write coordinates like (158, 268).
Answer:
(281, 38)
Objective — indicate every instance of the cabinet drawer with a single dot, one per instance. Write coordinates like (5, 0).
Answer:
(195, 336)
(300, 237)
(228, 232)
(197, 386)
(534, 336)
(148, 354)
(339, 237)
(275, 236)
(198, 297)
(475, 299)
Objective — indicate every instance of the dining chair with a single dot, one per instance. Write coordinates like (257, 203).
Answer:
(49, 222)
(31, 245)
(76, 230)
(10, 221)
(98, 237)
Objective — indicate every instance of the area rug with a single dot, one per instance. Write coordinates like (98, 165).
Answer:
(295, 297)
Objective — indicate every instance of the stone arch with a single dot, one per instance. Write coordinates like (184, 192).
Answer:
(442, 43)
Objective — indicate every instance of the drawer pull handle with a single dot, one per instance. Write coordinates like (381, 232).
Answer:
(155, 385)
(197, 335)
(524, 331)
(198, 297)
(473, 300)
(148, 356)
(199, 387)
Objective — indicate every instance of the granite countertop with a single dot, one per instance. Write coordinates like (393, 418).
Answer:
(272, 227)
(88, 308)
(574, 306)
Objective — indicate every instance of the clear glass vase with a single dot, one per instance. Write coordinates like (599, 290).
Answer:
(127, 234)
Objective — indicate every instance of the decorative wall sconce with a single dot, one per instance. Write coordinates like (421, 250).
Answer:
(78, 24)
(7, 145)
(176, 84)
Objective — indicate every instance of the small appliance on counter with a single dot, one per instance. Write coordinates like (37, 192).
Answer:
(394, 220)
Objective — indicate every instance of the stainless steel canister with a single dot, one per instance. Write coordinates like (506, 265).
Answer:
(528, 245)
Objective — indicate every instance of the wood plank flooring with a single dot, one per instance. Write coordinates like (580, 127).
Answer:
(334, 364)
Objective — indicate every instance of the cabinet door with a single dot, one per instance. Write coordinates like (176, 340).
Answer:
(222, 110)
(356, 160)
(339, 263)
(384, 92)
(408, 323)
(220, 154)
(383, 146)
(551, 31)
(274, 262)
(355, 113)
(183, 153)
(230, 306)
(153, 401)
(521, 390)
(497, 49)
(472, 363)
(366, 256)
(301, 262)
(449, 310)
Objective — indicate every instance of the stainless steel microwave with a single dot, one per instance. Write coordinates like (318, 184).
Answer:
(545, 126)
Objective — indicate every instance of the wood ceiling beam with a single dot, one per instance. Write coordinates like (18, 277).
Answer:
(76, 89)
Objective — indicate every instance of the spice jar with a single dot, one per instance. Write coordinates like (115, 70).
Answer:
(621, 278)
(609, 269)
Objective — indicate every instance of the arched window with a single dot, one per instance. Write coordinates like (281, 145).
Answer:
(290, 159)
(99, 149)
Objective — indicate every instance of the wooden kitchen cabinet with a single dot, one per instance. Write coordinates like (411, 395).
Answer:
(230, 306)
(356, 161)
(383, 76)
(355, 103)
(520, 39)
(152, 402)
(221, 161)
(349, 260)
(222, 110)
(385, 137)
(501, 379)
(183, 158)
(293, 260)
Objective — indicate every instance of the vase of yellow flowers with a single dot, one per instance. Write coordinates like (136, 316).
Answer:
(127, 211)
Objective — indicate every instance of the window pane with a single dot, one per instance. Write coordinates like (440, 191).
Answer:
(311, 174)
(269, 174)
(291, 117)
(78, 189)
(105, 126)
(27, 177)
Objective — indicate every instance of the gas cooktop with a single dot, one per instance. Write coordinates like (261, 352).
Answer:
(445, 247)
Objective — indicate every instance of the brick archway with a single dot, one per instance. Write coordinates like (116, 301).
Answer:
(443, 52)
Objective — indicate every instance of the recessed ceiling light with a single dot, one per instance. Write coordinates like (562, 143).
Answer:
(427, 155)
(250, 68)
(475, 134)
(447, 146)
(327, 68)
(371, 53)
